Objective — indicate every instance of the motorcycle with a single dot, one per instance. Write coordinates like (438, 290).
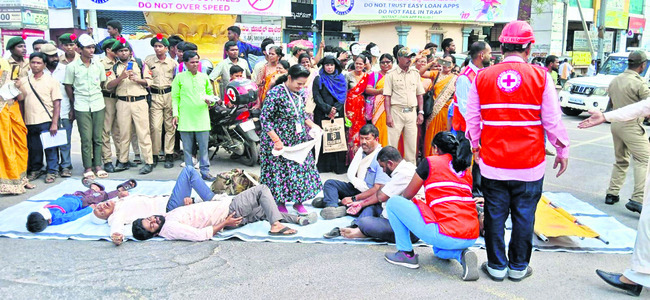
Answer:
(232, 127)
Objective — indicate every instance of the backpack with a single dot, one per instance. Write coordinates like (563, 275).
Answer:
(234, 182)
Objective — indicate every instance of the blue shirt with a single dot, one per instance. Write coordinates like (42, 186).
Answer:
(67, 209)
(375, 173)
(244, 50)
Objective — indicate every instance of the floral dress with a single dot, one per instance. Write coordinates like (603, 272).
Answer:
(287, 180)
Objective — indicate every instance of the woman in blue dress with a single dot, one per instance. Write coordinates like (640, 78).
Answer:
(283, 123)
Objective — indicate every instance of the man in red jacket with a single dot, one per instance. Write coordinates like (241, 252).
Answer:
(516, 103)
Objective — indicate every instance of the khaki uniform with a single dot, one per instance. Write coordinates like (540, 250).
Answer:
(629, 137)
(65, 61)
(110, 121)
(24, 66)
(160, 111)
(132, 109)
(404, 87)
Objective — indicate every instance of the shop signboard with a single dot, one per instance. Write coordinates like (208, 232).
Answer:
(580, 58)
(35, 18)
(636, 25)
(422, 10)
(256, 33)
(580, 42)
(231, 7)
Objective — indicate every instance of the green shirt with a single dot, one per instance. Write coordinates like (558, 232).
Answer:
(188, 104)
(86, 82)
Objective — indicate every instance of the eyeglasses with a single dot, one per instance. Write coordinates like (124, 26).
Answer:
(386, 62)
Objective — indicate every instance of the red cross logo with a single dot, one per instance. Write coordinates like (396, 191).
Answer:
(509, 81)
(231, 94)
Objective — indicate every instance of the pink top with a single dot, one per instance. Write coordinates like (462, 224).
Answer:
(194, 222)
(551, 120)
(371, 79)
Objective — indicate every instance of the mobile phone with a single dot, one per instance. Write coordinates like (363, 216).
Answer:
(445, 63)
(129, 66)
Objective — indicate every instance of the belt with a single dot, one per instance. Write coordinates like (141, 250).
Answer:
(161, 91)
(108, 94)
(407, 109)
(131, 99)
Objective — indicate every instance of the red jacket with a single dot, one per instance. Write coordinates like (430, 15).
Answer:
(511, 103)
(458, 121)
(449, 201)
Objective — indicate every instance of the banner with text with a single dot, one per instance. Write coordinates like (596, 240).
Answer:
(422, 10)
(256, 33)
(230, 7)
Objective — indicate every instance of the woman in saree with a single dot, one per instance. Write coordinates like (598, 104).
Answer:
(374, 91)
(305, 61)
(266, 78)
(357, 82)
(444, 87)
(13, 157)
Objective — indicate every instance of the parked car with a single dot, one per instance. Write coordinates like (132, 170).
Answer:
(586, 93)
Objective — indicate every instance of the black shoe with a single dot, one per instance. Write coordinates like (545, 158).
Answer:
(155, 161)
(131, 164)
(484, 268)
(318, 202)
(335, 232)
(208, 177)
(108, 167)
(146, 169)
(614, 279)
(169, 161)
(634, 206)
(611, 199)
(119, 167)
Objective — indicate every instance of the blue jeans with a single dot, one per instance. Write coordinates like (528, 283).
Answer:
(404, 216)
(64, 151)
(35, 153)
(201, 138)
(335, 190)
(519, 199)
(187, 180)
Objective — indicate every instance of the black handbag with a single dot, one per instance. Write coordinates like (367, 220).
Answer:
(429, 100)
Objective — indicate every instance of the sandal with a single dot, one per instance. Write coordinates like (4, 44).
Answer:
(101, 174)
(283, 231)
(89, 175)
(50, 178)
(66, 173)
(127, 185)
(30, 186)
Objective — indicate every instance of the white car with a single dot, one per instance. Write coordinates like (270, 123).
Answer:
(586, 93)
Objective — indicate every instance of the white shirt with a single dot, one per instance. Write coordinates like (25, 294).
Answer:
(59, 75)
(399, 180)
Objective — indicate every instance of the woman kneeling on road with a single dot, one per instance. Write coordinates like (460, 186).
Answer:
(447, 218)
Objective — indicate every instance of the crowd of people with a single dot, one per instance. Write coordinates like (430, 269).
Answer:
(428, 140)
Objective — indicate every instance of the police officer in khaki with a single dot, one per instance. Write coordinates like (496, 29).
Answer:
(404, 103)
(110, 121)
(160, 112)
(629, 137)
(129, 79)
(18, 49)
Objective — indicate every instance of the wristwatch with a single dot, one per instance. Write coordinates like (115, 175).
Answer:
(354, 198)
(421, 112)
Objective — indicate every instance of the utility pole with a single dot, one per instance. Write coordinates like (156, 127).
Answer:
(584, 27)
(565, 23)
(602, 13)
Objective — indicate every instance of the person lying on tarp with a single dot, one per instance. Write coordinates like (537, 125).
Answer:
(122, 212)
(378, 227)
(200, 222)
(70, 207)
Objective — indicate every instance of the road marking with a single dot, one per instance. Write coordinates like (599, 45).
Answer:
(597, 195)
(587, 142)
(590, 161)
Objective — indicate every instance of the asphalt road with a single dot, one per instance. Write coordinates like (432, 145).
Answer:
(236, 269)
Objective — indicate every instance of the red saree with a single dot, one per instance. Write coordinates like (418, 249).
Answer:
(354, 112)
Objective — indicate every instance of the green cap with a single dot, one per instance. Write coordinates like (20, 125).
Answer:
(637, 56)
(159, 39)
(67, 38)
(108, 44)
(120, 44)
(14, 41)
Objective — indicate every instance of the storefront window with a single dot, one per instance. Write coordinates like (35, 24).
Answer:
(584, 3)
(436, 39)
(636, 6)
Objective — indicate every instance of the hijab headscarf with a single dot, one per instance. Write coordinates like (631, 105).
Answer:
(335, 82)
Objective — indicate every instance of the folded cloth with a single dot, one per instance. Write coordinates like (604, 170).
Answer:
(299, 153)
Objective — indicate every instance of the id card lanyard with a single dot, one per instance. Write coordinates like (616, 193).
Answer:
(295, 108)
